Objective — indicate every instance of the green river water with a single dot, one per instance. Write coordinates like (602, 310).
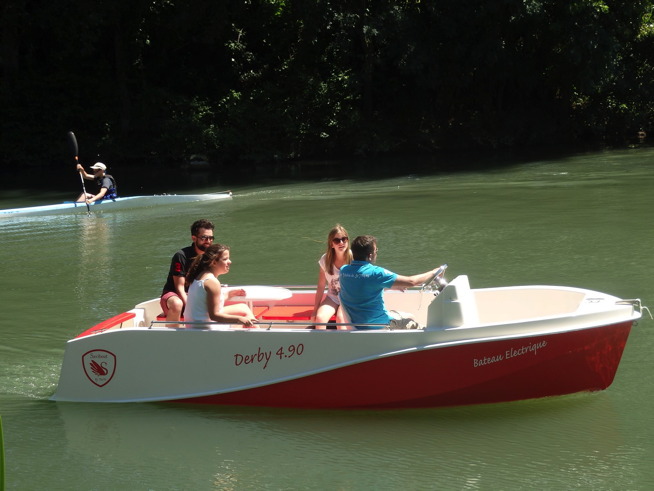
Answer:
(581, 221)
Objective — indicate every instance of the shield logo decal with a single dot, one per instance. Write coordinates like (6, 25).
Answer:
(99, 366)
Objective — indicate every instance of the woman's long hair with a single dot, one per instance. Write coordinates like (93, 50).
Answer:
(201, 262)
(330, 259)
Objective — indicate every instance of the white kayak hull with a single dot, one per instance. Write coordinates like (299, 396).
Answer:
(128, 202)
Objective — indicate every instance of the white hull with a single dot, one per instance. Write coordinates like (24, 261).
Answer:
(71, 207)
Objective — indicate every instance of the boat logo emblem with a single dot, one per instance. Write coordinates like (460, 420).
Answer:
(99, 366)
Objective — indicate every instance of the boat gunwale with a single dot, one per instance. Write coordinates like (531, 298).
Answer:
(294, 326)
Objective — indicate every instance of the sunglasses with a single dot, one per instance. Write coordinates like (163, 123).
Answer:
(206, 237)
(338, 240)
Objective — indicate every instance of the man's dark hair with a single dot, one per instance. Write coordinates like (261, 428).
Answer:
(362, 247)
(198, 224)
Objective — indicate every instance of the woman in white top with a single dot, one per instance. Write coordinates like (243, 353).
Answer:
(205, 301)
(338, 254)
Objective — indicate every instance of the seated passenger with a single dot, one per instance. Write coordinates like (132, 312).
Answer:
(363, 284)
(338, 254)
(205, 301)
(105, 182)
(173, 295)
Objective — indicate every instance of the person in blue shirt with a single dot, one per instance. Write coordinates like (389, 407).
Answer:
(363, 284)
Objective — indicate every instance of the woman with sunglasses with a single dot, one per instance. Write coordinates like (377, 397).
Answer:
(338, 254)
(206, 300)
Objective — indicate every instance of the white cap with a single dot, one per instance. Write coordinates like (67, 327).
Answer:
(99, 165)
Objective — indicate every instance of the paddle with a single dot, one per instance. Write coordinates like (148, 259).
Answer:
(73, 146)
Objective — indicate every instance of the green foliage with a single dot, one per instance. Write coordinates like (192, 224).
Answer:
(269, 80)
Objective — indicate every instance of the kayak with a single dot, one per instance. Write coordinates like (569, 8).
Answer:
(128, 202)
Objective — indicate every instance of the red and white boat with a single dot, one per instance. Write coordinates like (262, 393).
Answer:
(479, 346)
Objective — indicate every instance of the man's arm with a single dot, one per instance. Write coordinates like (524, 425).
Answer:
(98, 196)
(180, 283)
(85, 175)
(402, 282)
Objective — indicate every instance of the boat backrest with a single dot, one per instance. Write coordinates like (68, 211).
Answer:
(455, 306)
(151, 310)
(412, 302)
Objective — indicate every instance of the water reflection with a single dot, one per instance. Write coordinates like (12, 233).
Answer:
(519, 443)
(94, 245)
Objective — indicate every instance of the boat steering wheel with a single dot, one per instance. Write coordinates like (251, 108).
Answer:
(437, 283)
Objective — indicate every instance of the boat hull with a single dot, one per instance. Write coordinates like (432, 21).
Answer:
(477, 346)
(452, 376)
(128, 202)
(324, 369)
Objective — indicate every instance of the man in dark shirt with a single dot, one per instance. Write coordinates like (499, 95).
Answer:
(173, 296)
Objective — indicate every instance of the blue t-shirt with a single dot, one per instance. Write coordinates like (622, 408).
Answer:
(362, 289)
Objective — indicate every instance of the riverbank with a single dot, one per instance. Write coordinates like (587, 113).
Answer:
(136, 178)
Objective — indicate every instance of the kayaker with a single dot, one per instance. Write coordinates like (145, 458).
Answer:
(173, 296)
(363, 284)
(106, 182)
(338, 254)
(206, 297)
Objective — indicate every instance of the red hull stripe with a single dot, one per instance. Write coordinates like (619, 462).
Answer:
(489, 372)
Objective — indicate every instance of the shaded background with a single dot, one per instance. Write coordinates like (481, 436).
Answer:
(251, 86)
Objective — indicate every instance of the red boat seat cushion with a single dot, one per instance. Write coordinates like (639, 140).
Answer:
(288, 313)
(162, 317)
(109, 323)
(277, 313)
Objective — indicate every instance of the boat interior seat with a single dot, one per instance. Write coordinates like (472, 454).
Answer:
(285, 313)
(455, 306)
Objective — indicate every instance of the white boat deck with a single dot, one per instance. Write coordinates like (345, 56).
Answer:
(499, 311)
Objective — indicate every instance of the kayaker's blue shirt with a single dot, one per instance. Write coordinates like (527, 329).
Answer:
(362, 290)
